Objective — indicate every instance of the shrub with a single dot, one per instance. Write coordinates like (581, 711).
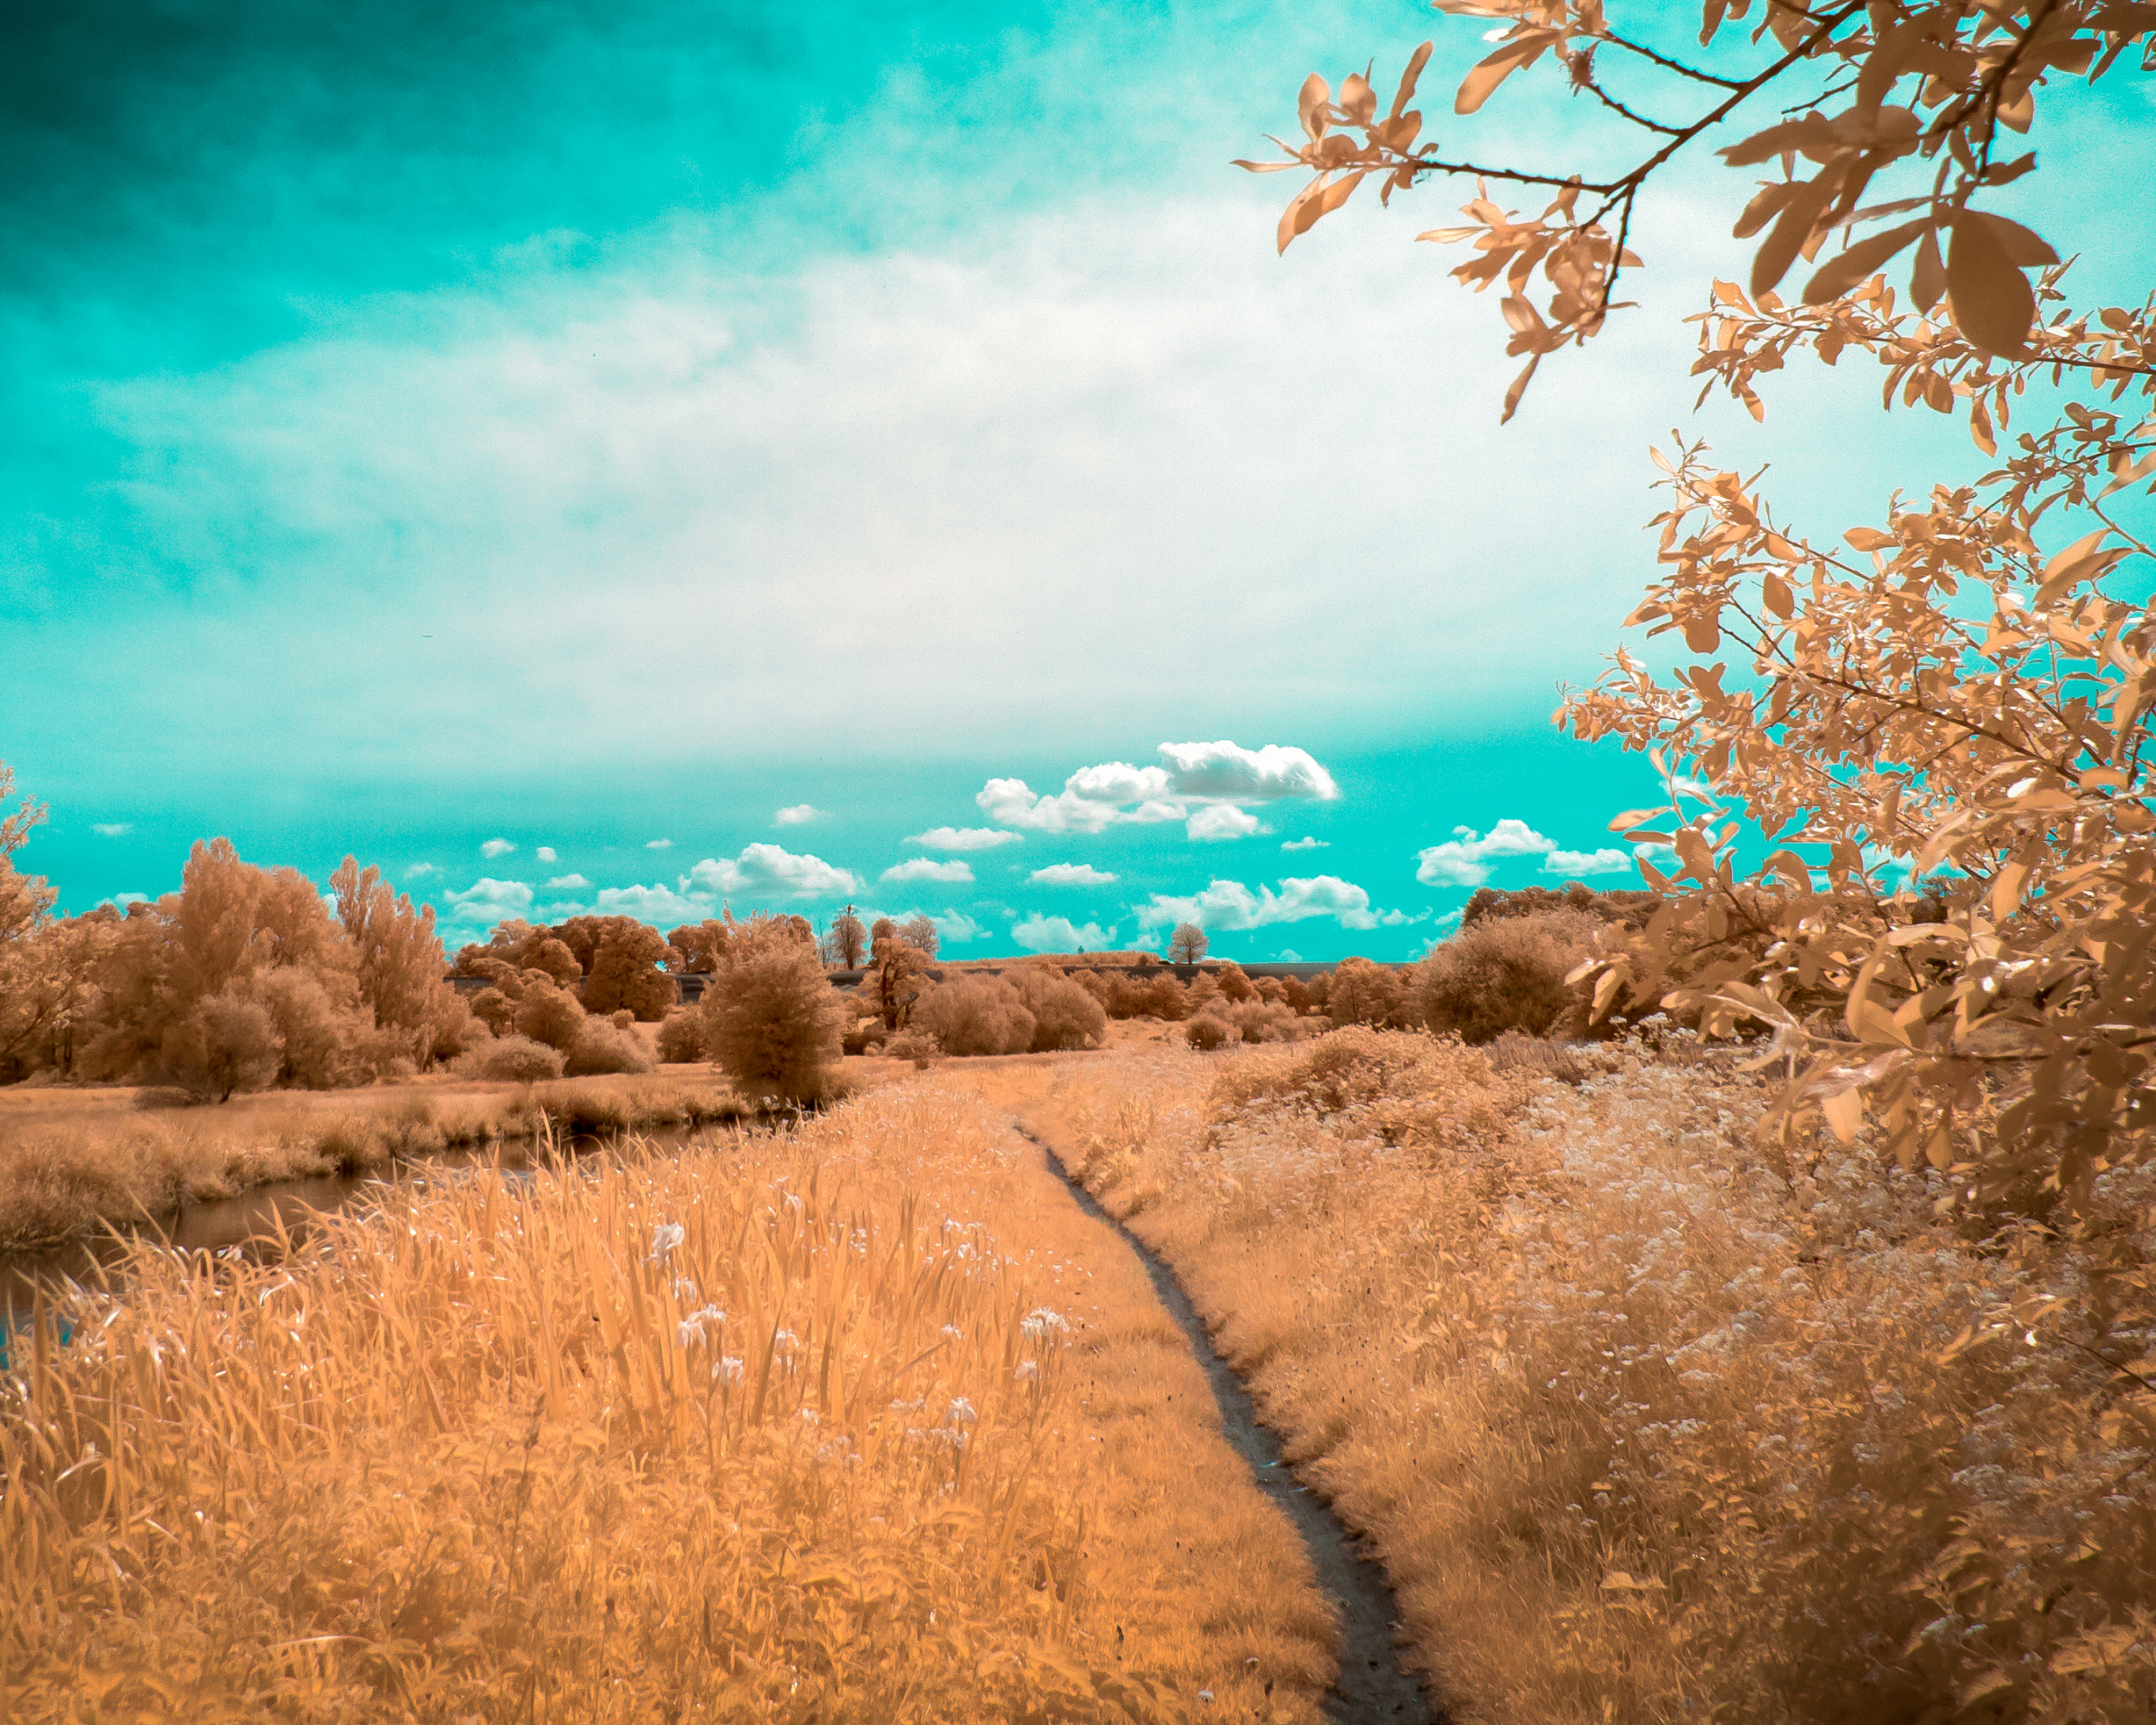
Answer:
(1233, 985)
(1264, 1020)
(1295, 991)
(916, 1045)
(1505, 973)
(223, 1044)
(681, 1037)
(603, 1047)
(1363, 992)
(1065, 1015)
(495, 1010)
(545, 1014)
(621, 1018)
(1208, 1030)
(863, 1035)
(975, 1015)
(513, 1059)
(770, 1019)
(321, 1038)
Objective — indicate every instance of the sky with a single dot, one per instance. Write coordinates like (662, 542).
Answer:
(645, 457)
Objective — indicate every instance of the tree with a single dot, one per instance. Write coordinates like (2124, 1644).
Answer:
(894, 980)
(1956, 699)
(626, 973)
(24, 899)
(920, 933)
(771, 1018)
(849, 939)
(400, 955)
(223, 1044)
(1187, 944)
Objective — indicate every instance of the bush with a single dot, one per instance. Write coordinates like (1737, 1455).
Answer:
(864, 1035)
(771, 1018)
(1363, 992)
(1065, 1015)
(1264, 1020)
(1505, 973)
(545, 1014)
(321, 1038)
(916, 1045)
(1208, 1030)
(605, 1047)
(512, 1059)
(494, 1009)
(1233, 985)
(681, 1037)
(975, 1015)
(223, 1044)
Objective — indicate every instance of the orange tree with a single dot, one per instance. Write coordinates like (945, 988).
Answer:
(1955, 698)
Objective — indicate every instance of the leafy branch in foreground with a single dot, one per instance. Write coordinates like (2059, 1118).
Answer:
(1923, 83)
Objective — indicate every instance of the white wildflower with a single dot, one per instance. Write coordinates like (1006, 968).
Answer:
(664, 1238)
(729, 1368)
(961, 1411)
(1041, 1323)
(684, 1290)
(1027, 1370)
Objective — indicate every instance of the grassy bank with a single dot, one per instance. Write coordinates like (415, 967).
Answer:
(72, 1161)
(864, 1420)
(1649, 1423)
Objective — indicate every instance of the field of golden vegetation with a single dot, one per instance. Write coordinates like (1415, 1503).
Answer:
(1650, 1423)
(865, 1420)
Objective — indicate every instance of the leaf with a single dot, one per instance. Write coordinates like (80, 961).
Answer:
(1777, 140)
(1844, 1114)
(1310, 105)
(1407, 80)
(1518, 389)
(1791, 230)
(1862, 259)
(1476, 88)
(1632, 818)
(1765, 204)
(2079, 562)
(1927, 276)
(1869, 538)
(2023, 248)
(1994, 304)
(1780, 601)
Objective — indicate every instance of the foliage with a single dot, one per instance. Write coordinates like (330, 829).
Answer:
(1504, 973)
(625, 974)
(1186, 945)
(550, 1015)
(772, 1020)
(681, 1037)
(1959, 698)
(224, 1043)
(603, 1046)
(848, 939)
(912, 1044)
(1361, 993)
(1210, 1027)
(515, 1059)
(1064, 1015)
(895, 978)
(974, 1015)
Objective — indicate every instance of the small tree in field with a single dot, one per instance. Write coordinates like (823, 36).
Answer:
(771, 1018)
(849, 939)
(225, 1043)
(1959, 694)
(1187, 944)
(920, 933)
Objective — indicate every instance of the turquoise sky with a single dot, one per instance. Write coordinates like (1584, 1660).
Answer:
(601, 427)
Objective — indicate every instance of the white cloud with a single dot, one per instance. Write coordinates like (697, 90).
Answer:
(1217, 776)
(111, 828)
(1288, 955)
(658, 843)
(1305, 844)
(568, 883)
(1581, 865)
(767, 871)
(1039, 933)
(1400, 919)
(495, 848)
(1228, 906)
(799, 815)
(119, 901)
(489, 901)
(1464, 860)
(546, 853)
(965, 838)
(1663, 856)
(1071, 874)
(1229, 772)
(1222, 820)
(955, 926)
(926, 868)
(661, 906)
(420, 871)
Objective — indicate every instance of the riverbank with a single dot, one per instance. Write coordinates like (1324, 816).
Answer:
(76, 1160)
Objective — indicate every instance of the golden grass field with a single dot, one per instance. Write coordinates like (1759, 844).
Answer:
(1646, 1423)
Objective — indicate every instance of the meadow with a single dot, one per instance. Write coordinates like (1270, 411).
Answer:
(862, 1418)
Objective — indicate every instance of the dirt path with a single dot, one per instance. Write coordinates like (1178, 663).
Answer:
(1372, 1688)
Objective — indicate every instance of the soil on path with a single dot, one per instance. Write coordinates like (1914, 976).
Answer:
(1373, 1687)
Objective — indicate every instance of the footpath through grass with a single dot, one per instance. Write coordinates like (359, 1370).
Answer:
(1649, 1422)
(862, 1421)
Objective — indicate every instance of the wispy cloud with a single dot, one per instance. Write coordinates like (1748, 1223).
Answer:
(568, 883)
(546, 853)
(1585, 865)
(1039, 933)
(924, 868)
(965, 838)
(1071, 874)
(1204, 784)
(420, 871)
(1229, 906)
(1304, 844)
(658, 843)
(495, 848)
(487, 901)
(1222, 820)
(111, 828)
(798, 814)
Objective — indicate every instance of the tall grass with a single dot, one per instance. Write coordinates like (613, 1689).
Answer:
(1649, 1422)
(770, 1430)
